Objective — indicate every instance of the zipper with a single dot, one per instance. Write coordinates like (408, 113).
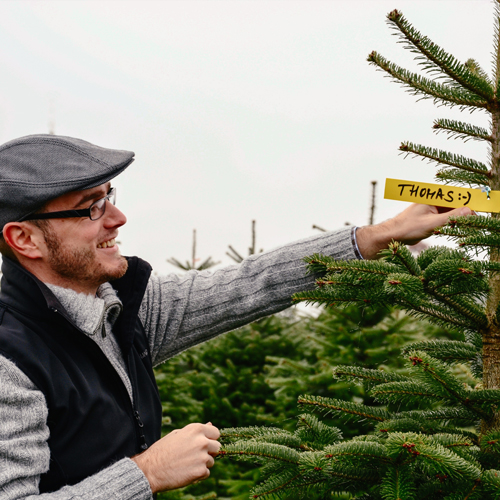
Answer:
(140, 425)
(101, 325)
(133, 381)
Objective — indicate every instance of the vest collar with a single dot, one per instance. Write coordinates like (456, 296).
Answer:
(131, 289)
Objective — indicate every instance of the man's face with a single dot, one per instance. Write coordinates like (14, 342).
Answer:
(82, 253)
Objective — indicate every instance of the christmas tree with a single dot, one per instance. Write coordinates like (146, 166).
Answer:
(434, 429)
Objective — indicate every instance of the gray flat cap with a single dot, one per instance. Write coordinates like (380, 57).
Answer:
(38, 168)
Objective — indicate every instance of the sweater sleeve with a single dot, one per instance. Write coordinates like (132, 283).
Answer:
(180, 312)
(25, 454)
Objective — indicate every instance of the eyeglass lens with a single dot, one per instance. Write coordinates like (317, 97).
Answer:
(98, 208)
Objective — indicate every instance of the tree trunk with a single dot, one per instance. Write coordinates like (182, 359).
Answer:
(491, 336)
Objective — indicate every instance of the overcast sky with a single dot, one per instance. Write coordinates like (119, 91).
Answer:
(236, 110)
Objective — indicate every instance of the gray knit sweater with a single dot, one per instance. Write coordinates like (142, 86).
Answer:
(177, 313)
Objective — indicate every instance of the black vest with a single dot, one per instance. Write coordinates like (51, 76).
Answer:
(90, 416)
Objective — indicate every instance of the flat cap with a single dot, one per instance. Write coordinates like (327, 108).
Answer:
(38, 168)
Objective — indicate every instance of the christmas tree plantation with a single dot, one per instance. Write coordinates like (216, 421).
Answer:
(435, 429)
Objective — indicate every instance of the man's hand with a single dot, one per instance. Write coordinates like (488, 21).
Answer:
(410, 226)
(180, 458)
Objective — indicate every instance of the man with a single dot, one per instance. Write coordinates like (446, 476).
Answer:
(81, 326)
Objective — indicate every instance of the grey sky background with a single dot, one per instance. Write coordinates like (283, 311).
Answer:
(236, 110)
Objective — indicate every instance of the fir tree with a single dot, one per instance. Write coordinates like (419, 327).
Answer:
(252, 249)
(435, 432)
(206, 264)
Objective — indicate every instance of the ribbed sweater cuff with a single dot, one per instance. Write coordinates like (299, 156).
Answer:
(131, 481)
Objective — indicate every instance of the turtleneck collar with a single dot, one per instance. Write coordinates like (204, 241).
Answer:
(89, 312)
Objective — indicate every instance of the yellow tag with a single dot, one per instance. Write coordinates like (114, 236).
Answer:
(442, 195)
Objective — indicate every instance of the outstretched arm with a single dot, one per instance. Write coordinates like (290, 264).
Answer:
(180, 312)
(412, 225)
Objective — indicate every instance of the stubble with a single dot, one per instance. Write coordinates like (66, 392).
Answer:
(79, 264)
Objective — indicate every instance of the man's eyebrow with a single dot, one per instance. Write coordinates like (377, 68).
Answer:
(96, 195)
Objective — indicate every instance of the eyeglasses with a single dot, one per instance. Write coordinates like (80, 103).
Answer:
(94, 212)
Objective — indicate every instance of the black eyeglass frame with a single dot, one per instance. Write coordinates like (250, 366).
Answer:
(84, 212)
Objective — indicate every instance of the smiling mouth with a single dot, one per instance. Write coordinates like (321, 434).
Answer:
(107, 244)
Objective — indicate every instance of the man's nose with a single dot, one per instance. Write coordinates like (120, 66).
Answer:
(114, 216)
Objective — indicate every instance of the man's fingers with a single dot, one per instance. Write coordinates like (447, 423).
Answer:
(211, 431)
(213, 448)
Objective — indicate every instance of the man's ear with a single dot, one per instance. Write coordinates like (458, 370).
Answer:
(24, 239)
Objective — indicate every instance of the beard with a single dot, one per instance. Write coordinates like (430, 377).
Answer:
(80, 264)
